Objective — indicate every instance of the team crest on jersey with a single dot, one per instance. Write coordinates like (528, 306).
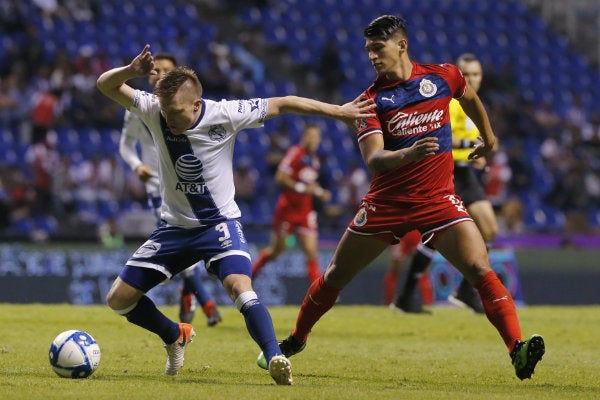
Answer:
(361, 124)
(216, 133)
(361, 217)
(427, 88)
(148, 249)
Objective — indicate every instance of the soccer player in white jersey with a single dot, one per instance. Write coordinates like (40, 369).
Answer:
(195, 140)
(145, 166)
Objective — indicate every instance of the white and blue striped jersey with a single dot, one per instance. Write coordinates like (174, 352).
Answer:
(196, 167)
(135, 131)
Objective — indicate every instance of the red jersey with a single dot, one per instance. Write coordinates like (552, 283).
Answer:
(302, 167)
(406, 112)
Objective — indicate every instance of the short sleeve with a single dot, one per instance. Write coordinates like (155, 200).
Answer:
(247, 113)
(367, 126)
(456, 80)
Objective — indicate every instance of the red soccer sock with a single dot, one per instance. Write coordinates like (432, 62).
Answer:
(390, 284)
(263, 258)
(499, 308)
(312, 270)
(318, 300)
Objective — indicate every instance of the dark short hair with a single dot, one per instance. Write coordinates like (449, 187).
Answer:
(165, 56)
(466, 57)
(169, 85)
(385, 27)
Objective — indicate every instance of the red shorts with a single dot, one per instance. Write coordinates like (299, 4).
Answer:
(286, 221)
(389, 220)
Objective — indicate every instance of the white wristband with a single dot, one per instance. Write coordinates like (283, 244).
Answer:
(319, 191)
(300, 187)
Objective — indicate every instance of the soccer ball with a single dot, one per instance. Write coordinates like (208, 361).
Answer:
(74, 354)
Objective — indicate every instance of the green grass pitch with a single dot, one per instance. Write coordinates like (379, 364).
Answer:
(354, 352)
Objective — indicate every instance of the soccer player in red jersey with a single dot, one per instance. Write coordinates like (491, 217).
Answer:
(469, 187)
(297, 174)
(408, 148)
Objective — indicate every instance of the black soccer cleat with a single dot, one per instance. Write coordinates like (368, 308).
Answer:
(526, 355)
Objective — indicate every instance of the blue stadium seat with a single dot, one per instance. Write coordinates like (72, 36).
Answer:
(21, 227)
(90, 142)
(262, 211)
(45, 223)
(67, 141)
(107, 209)
(246, 210)
(442, 30)
(110, 141)
(7, 139)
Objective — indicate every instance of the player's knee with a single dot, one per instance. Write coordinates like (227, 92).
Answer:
(119, 302)
(113, 301)
(236, 284)
(489, 232)
(474, 271)
(335, 277)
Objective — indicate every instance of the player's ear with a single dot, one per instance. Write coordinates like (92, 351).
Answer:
(402, 44)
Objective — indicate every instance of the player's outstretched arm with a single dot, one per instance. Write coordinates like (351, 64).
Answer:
(112, 82)
(356, 109)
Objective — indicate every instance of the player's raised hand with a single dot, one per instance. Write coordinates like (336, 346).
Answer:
(143, 63)
(357, 109)
(481, 149)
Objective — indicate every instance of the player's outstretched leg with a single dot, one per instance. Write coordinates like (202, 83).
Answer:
(526, 354)
(260, 326)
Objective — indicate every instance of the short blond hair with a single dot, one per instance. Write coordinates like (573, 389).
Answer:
(174, 79)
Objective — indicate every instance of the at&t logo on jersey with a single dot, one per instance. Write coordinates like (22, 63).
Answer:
(189, 169)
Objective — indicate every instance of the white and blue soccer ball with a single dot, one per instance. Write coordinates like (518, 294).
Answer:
(74, 354)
